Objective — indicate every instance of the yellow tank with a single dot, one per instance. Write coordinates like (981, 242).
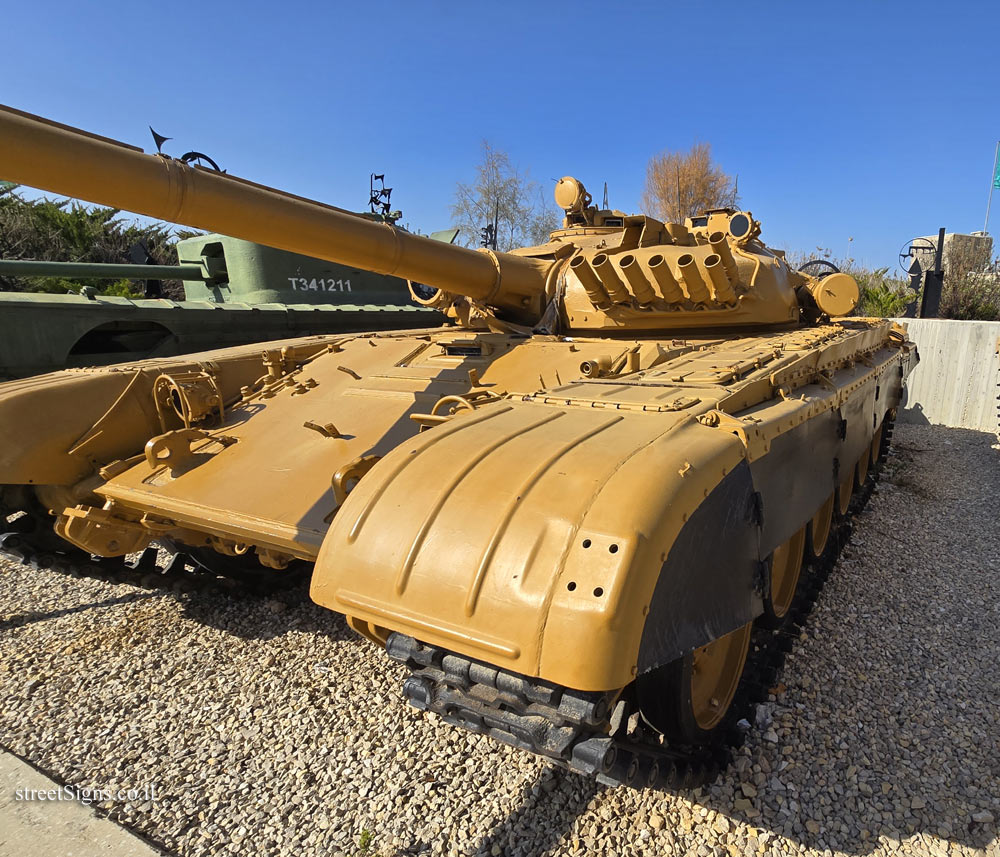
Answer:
(583, 513)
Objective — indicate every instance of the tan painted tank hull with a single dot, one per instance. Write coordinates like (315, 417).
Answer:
(537, 528)
(523, 530)
(568, 516)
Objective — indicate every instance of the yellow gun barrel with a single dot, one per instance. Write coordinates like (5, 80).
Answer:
(65, 160)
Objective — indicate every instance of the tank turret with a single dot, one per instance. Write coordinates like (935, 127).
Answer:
(603, 270)
(612, 271)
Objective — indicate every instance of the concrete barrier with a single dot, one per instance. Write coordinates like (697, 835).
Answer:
(957, 382)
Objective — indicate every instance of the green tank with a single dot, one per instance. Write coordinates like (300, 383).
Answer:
(236, 292)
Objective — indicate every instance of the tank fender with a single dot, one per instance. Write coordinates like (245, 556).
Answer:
(798, 472)
(803, 464)
(533, 535)
(54, 413)
(685, 516)
(712, 580)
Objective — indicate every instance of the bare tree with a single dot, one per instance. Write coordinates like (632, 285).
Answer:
(682, 184)
(501, 190)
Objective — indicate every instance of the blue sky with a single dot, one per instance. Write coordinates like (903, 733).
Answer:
(872, 120)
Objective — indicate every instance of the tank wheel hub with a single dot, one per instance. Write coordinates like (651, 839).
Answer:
(786, 566)
(715, 673)
(844, 492)
(819, 526)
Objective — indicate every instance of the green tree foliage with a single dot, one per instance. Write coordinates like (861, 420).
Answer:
(66, 231)
(882, 296)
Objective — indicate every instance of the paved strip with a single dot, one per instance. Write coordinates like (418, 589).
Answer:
(54, 827)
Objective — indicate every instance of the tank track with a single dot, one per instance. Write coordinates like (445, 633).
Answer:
(31, 543)
(585, 731)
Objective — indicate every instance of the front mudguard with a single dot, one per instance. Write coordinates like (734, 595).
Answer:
(535, 539)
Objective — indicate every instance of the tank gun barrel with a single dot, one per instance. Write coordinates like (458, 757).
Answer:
(65, 160)
(101, 270)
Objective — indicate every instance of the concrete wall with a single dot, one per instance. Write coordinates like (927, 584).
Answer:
(957, 381)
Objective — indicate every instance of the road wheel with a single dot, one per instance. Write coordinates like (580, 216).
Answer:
(819, 526)
(786, 564)
(688, 698)
(861, 471)
(876, 448)
(844, 491)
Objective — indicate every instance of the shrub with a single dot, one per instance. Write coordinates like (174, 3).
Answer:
(66, 231)
(971, 285)
(882, 296)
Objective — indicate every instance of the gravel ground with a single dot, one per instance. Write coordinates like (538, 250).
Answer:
(267, 728)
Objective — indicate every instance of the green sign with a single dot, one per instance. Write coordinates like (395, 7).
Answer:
(996, 175)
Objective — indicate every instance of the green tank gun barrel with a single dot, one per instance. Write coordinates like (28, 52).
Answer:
(57, 158)
(100, 270)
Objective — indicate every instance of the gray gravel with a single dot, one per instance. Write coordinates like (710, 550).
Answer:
(268, 728)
